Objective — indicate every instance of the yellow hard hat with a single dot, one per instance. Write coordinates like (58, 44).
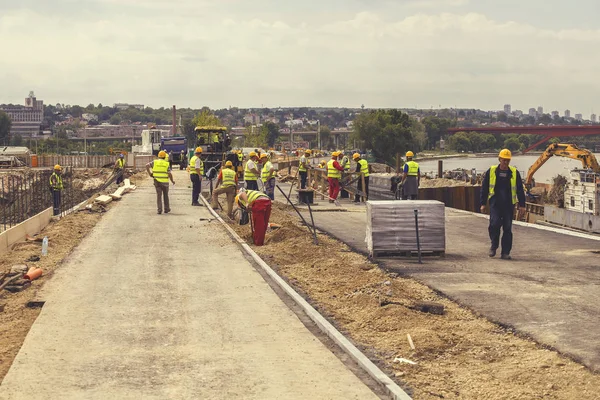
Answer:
(229, 164)
(252, 154)
(57, 167)
(410, 154)
(505, 153)
(237, 199)
(198, 150)
(162, 154)
(355, 156)
(264, 155)
(306, 151)
(335, 154)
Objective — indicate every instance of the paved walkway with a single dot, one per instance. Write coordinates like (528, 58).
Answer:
(167, 307)
(550, 290)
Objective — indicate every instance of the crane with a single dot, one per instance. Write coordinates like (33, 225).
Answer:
(586, 157)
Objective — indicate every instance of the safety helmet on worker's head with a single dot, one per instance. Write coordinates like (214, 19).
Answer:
(162, 154)
(228, 164)
(57, 167)
(252, 154)
(335, 154)
(307, 151)
(121, 155)
(198, 150)
(355, 156)
(505, 153)
(264, 155)
(410, 154)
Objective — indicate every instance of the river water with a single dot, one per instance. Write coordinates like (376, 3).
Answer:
(554, 166)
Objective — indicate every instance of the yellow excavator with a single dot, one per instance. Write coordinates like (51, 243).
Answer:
(586, 157)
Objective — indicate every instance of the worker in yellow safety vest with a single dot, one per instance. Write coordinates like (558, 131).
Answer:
(411, 178)
(251, 172)
(362, 166)
(334, 174)
(346, 163)
(56, 186)
(227, 180)
(267, 176)
(159, 170)
(502, 186)
(303, 167)
(216, 142)
(120, 168)
(196, 173)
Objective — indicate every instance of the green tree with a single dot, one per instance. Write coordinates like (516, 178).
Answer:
(254, 137)
(16, 140)
(206, 118)
(271, 132)
(5, 124)
(386, 132)
(436, 128)
(460, 142)
(512, 144)
(325, 136)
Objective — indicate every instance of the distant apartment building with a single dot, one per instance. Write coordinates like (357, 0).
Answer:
(593, 118)
(125, 106)
(579, 117)
(26, 120)
(507, 109)
(252, 119)
(117, 131)
(540, 110)
(554, 114)
(567, 113)
(532, 112)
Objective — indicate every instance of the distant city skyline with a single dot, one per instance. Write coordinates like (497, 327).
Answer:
(384, 54)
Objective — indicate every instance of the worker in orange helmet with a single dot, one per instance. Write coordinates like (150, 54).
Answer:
(258, 204)
(503, 188)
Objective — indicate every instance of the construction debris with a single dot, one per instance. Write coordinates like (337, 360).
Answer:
(104, 199)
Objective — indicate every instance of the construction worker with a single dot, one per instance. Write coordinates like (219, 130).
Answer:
(228, 180)
(362, 166)
(159, 170)
(411, 178)
(56, 186)
(268, 176)
(120, 168)
(215, 142)
(258, 205)
(183, 160)
(240, 166)
(503, 188)
(322, 164)
(334, 174)
(303, 168)
(346, 163)
(196, 173)
(251, 172)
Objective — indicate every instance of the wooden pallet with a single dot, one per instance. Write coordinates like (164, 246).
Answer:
(405, 254)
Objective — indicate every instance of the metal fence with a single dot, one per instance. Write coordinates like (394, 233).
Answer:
(23, 195)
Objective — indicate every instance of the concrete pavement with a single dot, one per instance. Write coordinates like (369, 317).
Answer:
(167, 307)
(550, 290)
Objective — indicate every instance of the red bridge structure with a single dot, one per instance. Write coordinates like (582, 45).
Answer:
(548, 132)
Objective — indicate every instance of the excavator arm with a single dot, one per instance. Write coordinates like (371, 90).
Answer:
(586, 157)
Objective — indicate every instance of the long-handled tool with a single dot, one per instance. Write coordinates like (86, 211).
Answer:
(297, 211)
(293, 182)
(313, 224)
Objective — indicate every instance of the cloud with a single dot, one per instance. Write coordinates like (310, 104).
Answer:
(127, 51)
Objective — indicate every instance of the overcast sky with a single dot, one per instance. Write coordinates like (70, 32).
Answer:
(380, 53)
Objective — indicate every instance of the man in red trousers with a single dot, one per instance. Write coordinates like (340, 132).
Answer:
(334, 174)
(258, 205)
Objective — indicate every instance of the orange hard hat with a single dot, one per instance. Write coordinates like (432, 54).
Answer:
(198, 150)
(162, 154)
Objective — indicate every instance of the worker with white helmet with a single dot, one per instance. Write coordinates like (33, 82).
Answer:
(303, 167)
(411, 178)
(120, 168)
(56, 186)
(503, 188)
(159, 170)
(196, 173)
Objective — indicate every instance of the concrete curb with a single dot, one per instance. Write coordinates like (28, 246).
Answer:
(391, 387)
(535, 226)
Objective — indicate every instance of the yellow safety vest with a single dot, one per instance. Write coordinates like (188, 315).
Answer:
(160, 170)
(346, 162)
(193, 166)
(332, 172)
(58, 184)
(120, 163)
(253, 195)
(240, 157)
(303, 160)
(215, 138)
(249, 175)
(413, 168)
(228, 177)
(364, 167)
(265, 171)
(513, 183)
